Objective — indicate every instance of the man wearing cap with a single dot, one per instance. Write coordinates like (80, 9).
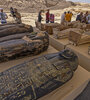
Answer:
(3, 16)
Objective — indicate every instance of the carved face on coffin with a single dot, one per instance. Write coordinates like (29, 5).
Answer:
(70, 56)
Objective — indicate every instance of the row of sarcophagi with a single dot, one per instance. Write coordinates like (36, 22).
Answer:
(77, 33)
(18, 40)
(33, 79)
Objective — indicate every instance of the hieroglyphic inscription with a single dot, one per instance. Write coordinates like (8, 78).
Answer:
(22, 81)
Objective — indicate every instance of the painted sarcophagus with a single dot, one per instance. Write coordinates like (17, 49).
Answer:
(47, 27)
(64, 33)
(78, 38)
(31, 44)
(35, 78)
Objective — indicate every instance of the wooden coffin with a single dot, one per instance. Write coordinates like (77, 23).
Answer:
(38, 25)
(33, 79)
(78, 38)
(63, 26)
(10, 26)
(54, 25)
(31, 44)
(80, 25)
(49, 27)
(49, 30)
(46, 27)
(15, 36)
(88, 27)
(64, 33)
(7, 24)
(16, 30)
(76, 24)
(43, 27)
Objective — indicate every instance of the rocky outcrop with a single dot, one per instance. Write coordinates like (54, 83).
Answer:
(34, 5)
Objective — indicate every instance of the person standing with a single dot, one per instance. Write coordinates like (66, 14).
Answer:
(71, 14)
(12, 11)
(17, 16)
(63, 18)
(47, 16)
(79, 17)
(40, 17)
(84, 20)
(88, 19)
(68, 17)
(3, 16)
(51, 18)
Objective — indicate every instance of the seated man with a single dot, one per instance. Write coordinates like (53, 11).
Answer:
(3, 16)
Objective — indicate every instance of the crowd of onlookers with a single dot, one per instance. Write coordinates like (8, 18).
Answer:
(65, 17)
(81, 17)
(14, 13)
(84, 18)
(50, 18)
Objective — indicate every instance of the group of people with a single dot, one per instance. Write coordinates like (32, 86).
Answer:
(66, 17)
(49, 17)
(14, 13)
(81, 17)
(84, 18)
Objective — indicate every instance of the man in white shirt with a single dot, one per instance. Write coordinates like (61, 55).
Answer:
(3, 16)
(63, 18)
(88, 19)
